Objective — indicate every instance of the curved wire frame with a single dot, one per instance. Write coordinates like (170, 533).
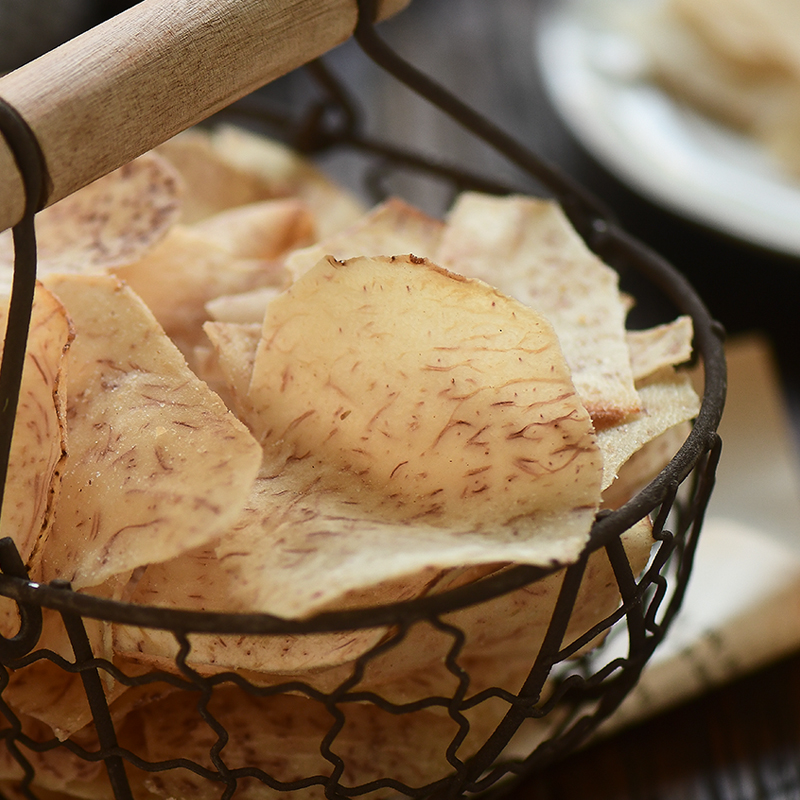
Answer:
(570, 686)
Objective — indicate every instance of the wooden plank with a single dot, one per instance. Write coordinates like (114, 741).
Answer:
(118, 90)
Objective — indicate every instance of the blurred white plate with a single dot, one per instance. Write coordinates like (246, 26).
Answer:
(661, 149)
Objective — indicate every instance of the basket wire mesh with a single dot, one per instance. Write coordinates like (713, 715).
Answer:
(568, 686)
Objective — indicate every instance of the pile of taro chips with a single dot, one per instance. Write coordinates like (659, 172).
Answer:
(245, 392)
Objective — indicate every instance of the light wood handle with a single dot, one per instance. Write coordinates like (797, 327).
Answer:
(127, 85)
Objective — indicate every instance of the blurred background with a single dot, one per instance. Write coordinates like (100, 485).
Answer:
(29, 28)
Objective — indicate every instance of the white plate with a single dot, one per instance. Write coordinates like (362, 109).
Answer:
(661, 149)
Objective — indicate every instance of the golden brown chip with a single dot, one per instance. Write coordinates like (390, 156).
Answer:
(158, 464)
(528, 250)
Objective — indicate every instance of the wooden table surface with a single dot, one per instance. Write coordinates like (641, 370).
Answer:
(743, 740)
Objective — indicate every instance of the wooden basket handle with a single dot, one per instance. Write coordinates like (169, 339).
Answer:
(129, 84)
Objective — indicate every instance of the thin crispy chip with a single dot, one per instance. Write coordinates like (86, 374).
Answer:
(213, 183)
(682, 61)
(503, 635)
(282, 736)
(244, 307)
(737, 61)
(57, 773)
(235, 350)
(527, 249)
(644, 465)
(668, 398)
(38, 445)
(448, 399)
(113, 221)
(184, 272)
(196, 580)
(293, 726)
(761, 34)
(47, 692)
(298, 549)
(288, 175)
(666, 345)
(440, 418)
(390, 229)
(264, 230)
(514, 624)
(159, 465)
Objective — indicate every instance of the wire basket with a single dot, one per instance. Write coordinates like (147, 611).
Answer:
(466, 724)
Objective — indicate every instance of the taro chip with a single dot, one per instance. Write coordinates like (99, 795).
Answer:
(666, 345)
(57, 773)
(235, 350)
(260, 230)
(527, 249)
(287, 174)
(439, 417)
(38, 445)
(669, 400)
(442, 397)
(47, 692)
(643, 466)
(213, 184)
(638, 449)
(158, 464)
(282, 737)
(197, 581)
(112, 221)
(244, 307)
(391, 228)
(230, 167)
(186, 270)
(755, 35)
(502, 635)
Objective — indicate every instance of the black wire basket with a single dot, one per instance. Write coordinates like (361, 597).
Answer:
(470, 726)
